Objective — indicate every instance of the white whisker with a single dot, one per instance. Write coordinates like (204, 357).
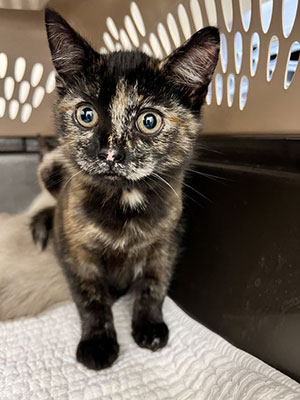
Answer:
(148, 184)
(69, 180)
(167, 183)
(213, 177)
(196, 191)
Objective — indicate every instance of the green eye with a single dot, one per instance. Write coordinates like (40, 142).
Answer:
(86, 116)
(149, 122)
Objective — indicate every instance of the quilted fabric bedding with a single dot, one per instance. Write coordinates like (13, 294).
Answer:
(37, 362)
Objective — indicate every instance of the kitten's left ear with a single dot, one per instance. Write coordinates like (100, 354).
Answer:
(191, 66)
(70, 52)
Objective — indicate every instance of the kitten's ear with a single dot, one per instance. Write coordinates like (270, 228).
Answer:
(70, 52)
(191, 66)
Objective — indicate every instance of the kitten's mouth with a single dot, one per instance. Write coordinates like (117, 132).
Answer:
(111, 176)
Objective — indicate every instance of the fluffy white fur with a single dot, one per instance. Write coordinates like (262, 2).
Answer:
(30, 280)
(132, 198)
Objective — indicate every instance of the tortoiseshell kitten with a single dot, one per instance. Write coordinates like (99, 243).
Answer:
(127, 126)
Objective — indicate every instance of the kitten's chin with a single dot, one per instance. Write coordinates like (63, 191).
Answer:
(110, 179)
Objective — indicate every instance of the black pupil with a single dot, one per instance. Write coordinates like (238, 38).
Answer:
(87, 115)
(150, 121)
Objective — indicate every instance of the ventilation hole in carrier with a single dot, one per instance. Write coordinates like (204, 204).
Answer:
(137, 17)
(2, 107)
(155, 45)
(36, 74)
(245, 11)
(164, 38)
(109, 43)
(50, 83)
(219, 88)
(103, 50)
(173, 29)
(3, 65)
(223, 52)
(211, 12)
(292, 64)
(289, 12)
(24, 90)
(272, 57)
(227, 13)
(254, 56)
(111, 26)
(118, 46)
(20, 66)
(38, 96)
(230, 89)
(244, 88)
(209, 95)
(238, 51)
(9, 86)
(184, 21)
(266, 11)
(196, 14)
(146, 49)
(13, 109)
(130, 28)
(124, 39)
(26, 113)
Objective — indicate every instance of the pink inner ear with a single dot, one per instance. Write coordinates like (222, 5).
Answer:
(110, 155)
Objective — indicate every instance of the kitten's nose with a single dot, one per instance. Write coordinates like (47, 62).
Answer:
(112, 155)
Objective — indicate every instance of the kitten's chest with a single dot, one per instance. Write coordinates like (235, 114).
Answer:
(130, 238)
(128, 224)
(122, 270)
(104, 232)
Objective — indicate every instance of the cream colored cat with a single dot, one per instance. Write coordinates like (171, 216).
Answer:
(30, 279)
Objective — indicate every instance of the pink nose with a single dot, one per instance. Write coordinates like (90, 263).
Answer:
(112, 155)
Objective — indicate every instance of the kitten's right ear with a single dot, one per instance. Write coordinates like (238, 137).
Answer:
(191, 66)
(70, 52)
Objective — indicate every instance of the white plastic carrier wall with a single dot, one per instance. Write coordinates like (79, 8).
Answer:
(255, 89)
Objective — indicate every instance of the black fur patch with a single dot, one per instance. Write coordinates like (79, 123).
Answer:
(150, 335)
(99, 351)
(41, 226)
(54, 179)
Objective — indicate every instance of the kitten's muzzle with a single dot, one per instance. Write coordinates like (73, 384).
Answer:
(112, 156)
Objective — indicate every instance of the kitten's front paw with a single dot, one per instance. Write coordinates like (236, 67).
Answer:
(98, 352)
(150, 335)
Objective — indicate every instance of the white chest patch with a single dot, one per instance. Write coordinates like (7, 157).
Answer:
(132, 198)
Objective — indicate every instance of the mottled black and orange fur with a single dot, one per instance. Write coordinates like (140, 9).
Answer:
(116, 226)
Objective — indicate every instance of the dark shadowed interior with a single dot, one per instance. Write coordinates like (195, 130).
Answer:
(239, 271)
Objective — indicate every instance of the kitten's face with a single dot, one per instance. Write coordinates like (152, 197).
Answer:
(126, 116)
(126, 121)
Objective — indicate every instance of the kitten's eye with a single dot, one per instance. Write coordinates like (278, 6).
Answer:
(86, 116)
(149, 122)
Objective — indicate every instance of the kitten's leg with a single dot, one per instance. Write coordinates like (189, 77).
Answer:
(41, 225)
(148, 327)
(52, 175)
(98, 347)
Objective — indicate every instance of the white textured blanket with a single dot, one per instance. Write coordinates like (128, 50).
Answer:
(37, 362)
